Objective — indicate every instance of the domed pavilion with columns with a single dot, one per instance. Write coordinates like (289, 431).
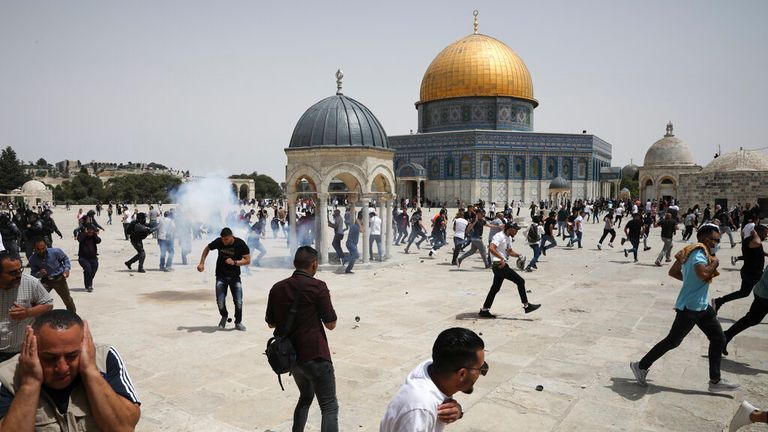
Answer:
(665, 161)
(475, 137)
(339, 150)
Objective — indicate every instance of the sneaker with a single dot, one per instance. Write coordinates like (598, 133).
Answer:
(667, 260)
(239, 326)
(531, 307)
(406, 251)
(127, 264)
(626, 255)
(722, 386)
(640, 374)
(141, 270)
(658, 264)
(458, 262)
(623, 240)
(733, 260)
(544, 252)
(741, 417)
(610, 244)
(485, 313)
(528, 269)
(647, 248)
(223, 322)
(431, 253)
(89, 289)
(599, 247)
(635, 261)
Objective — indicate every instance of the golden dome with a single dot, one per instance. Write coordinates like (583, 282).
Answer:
(477, 65)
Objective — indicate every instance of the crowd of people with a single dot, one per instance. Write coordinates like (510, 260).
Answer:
(500, 239)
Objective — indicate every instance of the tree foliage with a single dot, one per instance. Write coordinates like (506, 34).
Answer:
(12, 173)
(265, 186)
(146, 187)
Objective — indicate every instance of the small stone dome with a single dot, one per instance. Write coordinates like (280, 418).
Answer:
(630, 170)
(412, 169)
(338, 121)
(740, 160)
(33, 187)
(559, 183)
(668, 151)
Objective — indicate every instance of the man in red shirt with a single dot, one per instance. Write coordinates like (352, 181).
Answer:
(313, 373)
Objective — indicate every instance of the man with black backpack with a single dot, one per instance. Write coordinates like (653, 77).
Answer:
(137, 231)
(299, 307)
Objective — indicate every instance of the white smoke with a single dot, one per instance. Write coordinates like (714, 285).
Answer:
(209, 201)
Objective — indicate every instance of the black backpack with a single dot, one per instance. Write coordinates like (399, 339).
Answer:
(533, 234)
(280, 352)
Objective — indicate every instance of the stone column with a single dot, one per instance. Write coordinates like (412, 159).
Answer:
(321, 228)
(367, 228)
(390, 231)
(386, 225)
(292, 228)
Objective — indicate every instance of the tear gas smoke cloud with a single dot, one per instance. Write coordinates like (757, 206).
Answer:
(208, 201)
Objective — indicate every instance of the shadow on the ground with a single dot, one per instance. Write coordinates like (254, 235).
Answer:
(630, 390)
(473, 316)
(202, 329)
(620, 262)
(175, 296)
(736, 367)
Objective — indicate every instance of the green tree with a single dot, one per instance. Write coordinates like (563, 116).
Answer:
(41, 162)
(12, 173)
(144, 188)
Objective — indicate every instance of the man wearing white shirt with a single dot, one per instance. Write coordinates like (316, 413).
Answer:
(375, 235)
(459, 234)
(165, 230)
(500, 251)
(424, 403)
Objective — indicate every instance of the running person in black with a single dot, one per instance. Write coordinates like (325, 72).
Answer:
(751, 271)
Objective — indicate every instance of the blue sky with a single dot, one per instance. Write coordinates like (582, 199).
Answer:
(219, 86)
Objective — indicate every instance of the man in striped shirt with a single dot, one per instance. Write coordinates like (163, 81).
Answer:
(22, 298)
(63, 381)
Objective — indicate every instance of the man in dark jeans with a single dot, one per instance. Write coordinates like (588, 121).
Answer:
(233, 253)
(313, 373)
(696, 266)
(548, 237)
(338, 234)
(501, 250)
(632, 230)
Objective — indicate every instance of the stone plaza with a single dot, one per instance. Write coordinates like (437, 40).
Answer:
(599, 312)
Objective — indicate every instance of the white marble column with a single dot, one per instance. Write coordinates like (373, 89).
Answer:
(321, 228)
(382, 211)
(292, 229)
(367, 228)
(389, 206)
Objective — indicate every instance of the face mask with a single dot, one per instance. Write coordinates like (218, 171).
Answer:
(716, 249)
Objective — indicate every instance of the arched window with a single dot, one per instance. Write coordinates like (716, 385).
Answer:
(466, 167)
(449, 168)
(518, 165)
(485, 166)
(535, 168)
(502, 169)
(434, 168)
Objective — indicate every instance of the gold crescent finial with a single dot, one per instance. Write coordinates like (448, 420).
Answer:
(475, 13)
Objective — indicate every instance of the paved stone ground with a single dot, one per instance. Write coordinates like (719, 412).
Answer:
(600, 311)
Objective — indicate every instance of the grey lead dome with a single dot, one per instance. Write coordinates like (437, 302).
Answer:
(338, 121)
